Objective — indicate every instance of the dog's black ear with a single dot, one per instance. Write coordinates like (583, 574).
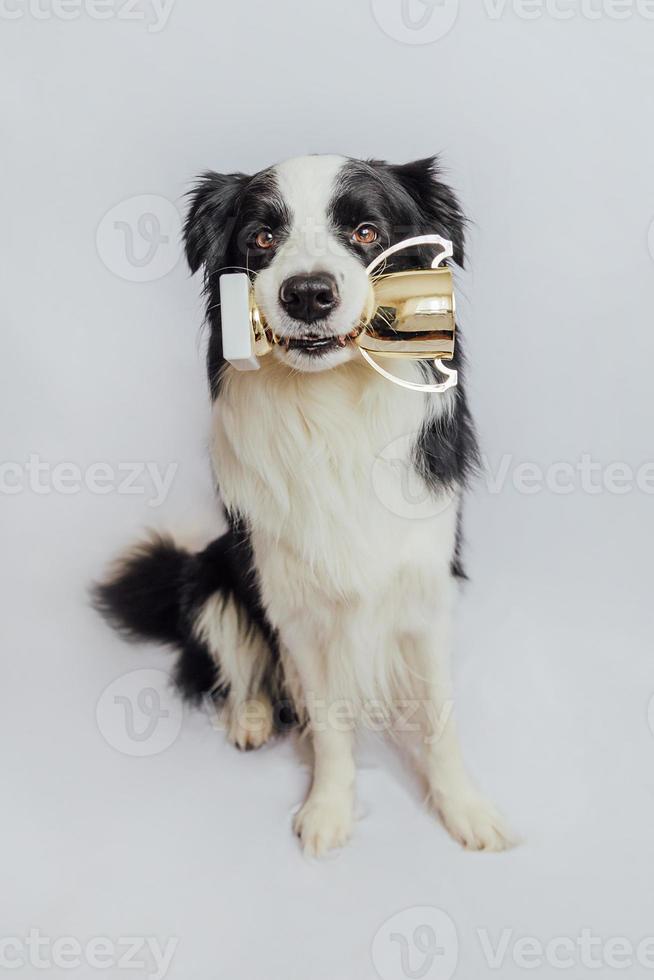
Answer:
(211, 216)
(437, 202)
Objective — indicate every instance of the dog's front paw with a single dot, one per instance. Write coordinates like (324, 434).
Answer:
(475, 823)
(325, 823)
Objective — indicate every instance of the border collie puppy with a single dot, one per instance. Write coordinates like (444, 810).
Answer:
(329, 600)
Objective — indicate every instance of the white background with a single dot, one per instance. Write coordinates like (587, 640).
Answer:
(545, 127)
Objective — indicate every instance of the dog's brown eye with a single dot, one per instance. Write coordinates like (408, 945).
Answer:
(365, 235)
(264, 239)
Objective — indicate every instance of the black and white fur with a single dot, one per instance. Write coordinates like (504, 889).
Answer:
(319, 594)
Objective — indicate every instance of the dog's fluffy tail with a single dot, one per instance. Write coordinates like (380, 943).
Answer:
(159, 591)
(142, 598)
(151, 594)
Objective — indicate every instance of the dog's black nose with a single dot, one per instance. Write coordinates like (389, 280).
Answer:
(309, 298)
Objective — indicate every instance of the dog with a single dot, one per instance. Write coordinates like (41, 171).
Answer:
(321, 599)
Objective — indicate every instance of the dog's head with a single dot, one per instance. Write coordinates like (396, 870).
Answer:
(305, 231)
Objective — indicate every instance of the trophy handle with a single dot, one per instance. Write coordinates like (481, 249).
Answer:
(446, 253)
(452, 376)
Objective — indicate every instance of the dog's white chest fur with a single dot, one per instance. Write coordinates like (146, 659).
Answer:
(348, 542)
